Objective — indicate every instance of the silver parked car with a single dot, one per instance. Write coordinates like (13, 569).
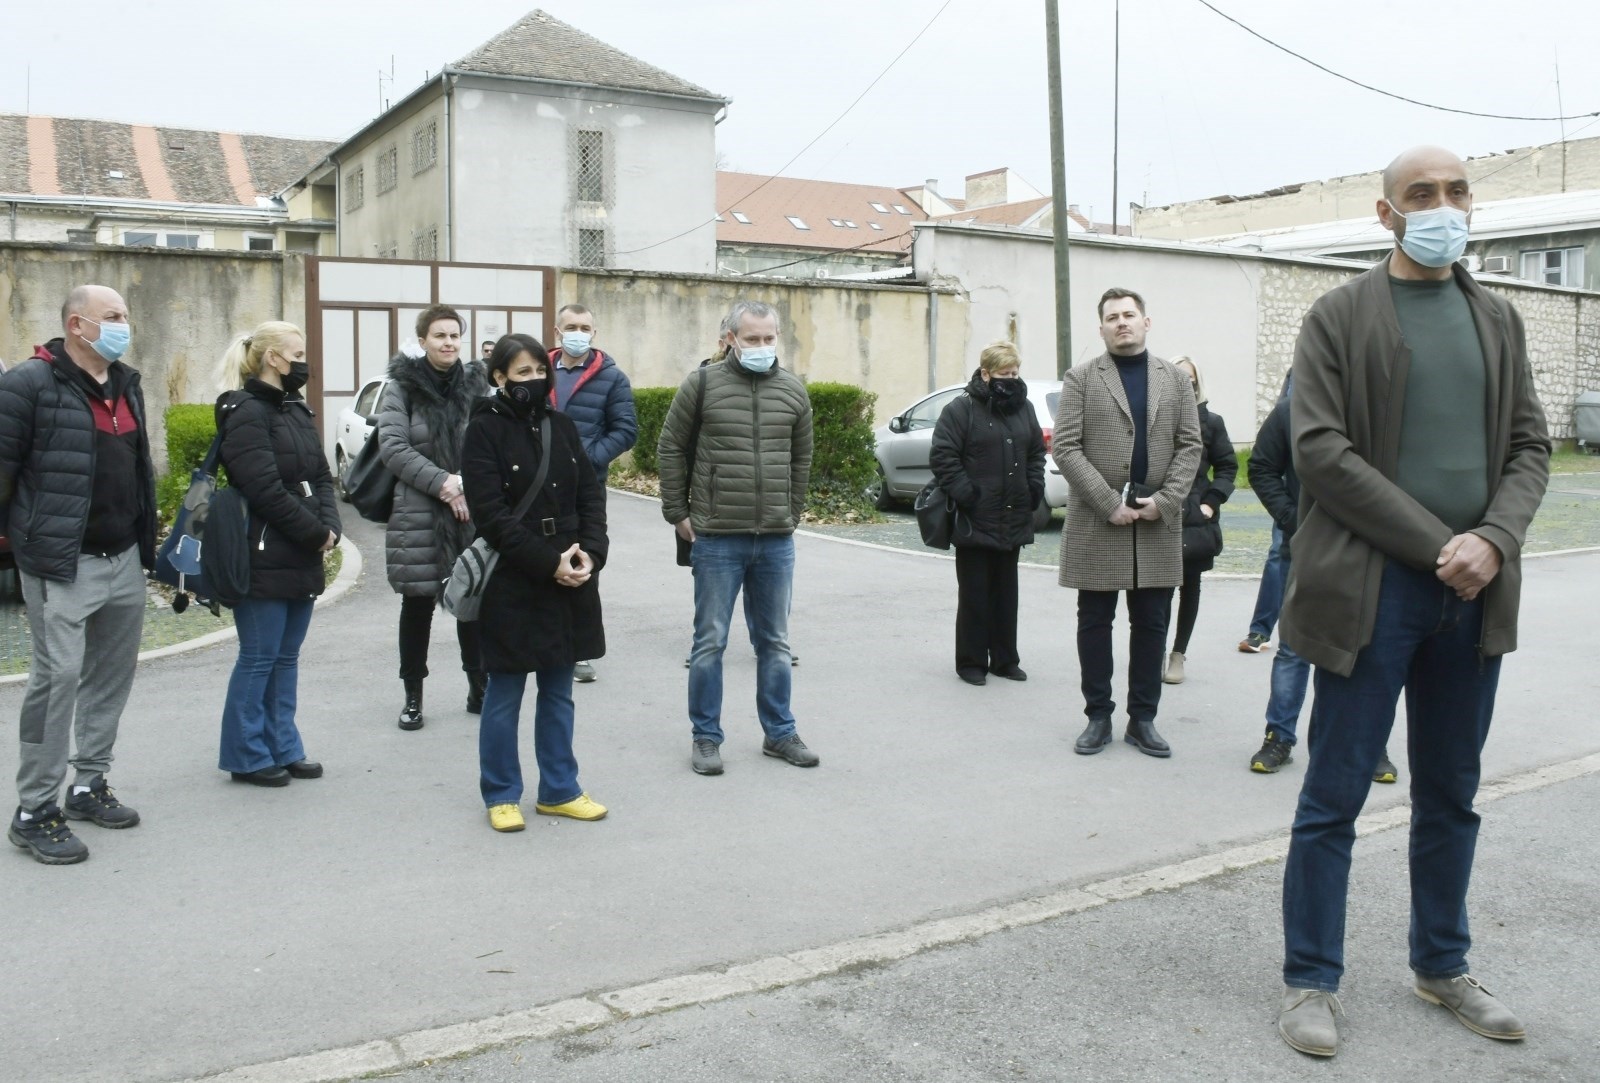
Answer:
(904, 445)
(355, 422)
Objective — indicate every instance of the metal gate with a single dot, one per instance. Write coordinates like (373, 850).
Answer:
(359, 312)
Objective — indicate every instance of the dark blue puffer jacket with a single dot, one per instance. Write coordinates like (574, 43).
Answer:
(602, 409)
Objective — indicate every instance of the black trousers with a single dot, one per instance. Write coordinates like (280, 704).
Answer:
(1148, 612)
(416, 623)
(1188, 608)
(986, 608)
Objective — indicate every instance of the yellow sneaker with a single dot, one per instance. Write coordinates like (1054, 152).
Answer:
(579, 808)
(506, 818)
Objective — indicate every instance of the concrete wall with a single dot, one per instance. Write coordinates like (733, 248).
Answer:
(877, 337)
(390, 222)
(1236, 314)
(185, 306)
(513, 143)
(1557, 167)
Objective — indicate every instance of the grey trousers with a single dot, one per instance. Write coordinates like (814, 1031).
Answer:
(85, 644)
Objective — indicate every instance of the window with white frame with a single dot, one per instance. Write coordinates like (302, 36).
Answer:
(796, 221)
(1554, 266)
(388, 169)
(160, 238)
(425, 146)
(355, 189)
(258, 242)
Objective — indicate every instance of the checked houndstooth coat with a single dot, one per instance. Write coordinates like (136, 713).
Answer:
(1093, 446)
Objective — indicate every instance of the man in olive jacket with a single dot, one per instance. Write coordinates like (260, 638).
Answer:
(1422, 456)
(735, 458)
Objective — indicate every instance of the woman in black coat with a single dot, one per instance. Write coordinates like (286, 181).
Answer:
(988, 456)
(541, 609)
(272, 452)
(1202, 518)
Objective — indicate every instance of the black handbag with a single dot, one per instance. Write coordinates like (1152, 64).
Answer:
(225, 560)
(936, 514)
(369, 483)
(178, 560)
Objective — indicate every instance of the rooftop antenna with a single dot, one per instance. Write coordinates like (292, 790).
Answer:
(383, 103)
(1562, 113)
(27, 92)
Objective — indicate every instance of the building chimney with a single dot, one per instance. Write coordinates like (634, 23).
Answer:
(932, 185)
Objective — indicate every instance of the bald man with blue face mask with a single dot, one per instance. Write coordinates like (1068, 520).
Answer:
(80, 511)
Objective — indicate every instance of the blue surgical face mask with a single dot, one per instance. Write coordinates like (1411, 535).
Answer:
(1434, 238)
(758, 358)
(575, 343)
(113, 340)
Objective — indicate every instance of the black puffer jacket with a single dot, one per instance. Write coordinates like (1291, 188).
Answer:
(990, 458)
(529, 621)
(1272, 475)
(1214, 480)
(273, 455)
(47, 464)
(420, 428)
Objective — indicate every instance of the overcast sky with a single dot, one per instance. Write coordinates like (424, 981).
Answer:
(1205, 109)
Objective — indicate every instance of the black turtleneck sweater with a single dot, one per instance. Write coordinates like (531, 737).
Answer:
(1135, 373)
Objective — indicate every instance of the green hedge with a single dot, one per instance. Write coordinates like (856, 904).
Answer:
(841, 429)
(650, 404)
(190, 429)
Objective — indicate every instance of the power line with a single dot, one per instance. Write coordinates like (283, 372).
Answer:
(808, 146)
(829, 252)
(1379, 90)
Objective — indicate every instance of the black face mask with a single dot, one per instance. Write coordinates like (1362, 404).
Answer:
(299, 372)
(525, 396)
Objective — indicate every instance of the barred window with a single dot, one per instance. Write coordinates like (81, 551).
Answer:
(589, 181)
(424, 146)
(388, 169)
(425, 244)
(591, 248)
(355, 189)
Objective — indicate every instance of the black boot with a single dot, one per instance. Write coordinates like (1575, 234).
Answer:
(477, 682)
(1096, 735)
(411, 713)
(1143, 736)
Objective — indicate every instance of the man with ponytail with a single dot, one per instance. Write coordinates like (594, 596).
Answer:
(77, 497)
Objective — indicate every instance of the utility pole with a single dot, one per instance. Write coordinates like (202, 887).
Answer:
(1116, 104)
(1058, 191)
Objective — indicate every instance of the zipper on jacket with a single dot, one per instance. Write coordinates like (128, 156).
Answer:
(755, 418)
(261, 546)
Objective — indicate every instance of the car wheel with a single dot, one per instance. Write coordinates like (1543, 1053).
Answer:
(1042, 516)
(341, 466)
(878, 493)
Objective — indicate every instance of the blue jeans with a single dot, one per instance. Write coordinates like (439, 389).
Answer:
(762, 565)
(1290, 673)
(499, 766)
(258, 729)
(1425, 642)
(1269, 596)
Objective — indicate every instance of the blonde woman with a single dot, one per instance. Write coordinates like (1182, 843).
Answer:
(272, 452)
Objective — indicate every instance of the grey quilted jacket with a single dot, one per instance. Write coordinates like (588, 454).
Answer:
(419, 440)
(752, 460)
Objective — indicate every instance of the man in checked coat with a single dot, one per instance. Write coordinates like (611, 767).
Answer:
(1125, 419)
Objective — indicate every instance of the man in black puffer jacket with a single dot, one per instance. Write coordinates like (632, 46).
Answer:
(77, 494)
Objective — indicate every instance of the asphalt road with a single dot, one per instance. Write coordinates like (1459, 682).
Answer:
(237, 925)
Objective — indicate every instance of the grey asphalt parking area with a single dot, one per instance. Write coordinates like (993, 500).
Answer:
(239, 926)
(1172, 986)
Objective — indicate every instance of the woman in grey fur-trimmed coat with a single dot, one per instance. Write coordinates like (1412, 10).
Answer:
(421, 421)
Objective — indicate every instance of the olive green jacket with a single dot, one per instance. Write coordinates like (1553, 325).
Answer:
(1350, 367)
(752, 458)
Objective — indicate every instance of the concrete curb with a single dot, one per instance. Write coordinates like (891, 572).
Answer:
(349, 572)
(580, 1014)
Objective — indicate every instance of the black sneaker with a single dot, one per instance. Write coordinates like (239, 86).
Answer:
(792, 749)
(46, 835)
(1273, 755)
(99, 805)
(1254, 643)
(1385, 771)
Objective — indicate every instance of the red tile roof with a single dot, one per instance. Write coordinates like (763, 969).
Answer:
(1000, 214)
(768, 202)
